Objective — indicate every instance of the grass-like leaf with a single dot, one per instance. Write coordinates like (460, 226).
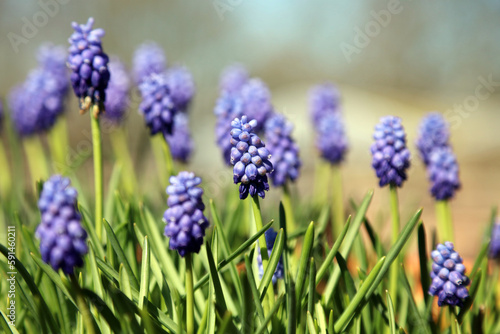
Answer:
(303, 262)
(144, 282)
(273, 263)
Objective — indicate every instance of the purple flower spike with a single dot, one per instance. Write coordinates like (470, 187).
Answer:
(443, 173)
(148, 58)
(250, 158)
(323, 99)
(285, 157)
(89, 66)
(181, 84)
(257, 102)
(494, 252)
(433, 133)
(331, 140)
(390, 156)
(118, 98)
(279, 273)
(233, 78)
(184, 217)
(448, 283)
(180, 141)
(63, 241)
(157, 106)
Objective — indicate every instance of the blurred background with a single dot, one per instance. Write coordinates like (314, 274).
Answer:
(403, 58)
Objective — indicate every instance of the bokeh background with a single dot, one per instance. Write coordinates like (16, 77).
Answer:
(388, 57)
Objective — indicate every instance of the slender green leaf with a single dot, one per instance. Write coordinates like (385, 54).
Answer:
(304, 259)
(420, 322)
(310, 324)
(113, 241)
(103, 310)
(144, 286)
(6, 324)
(255, 293)
(476, 279)
(392, 317)
(273, 263)
(263, 326)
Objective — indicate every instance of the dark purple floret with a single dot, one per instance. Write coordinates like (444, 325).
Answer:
(433, 133)
(233, 78)
(181, 84)
(36, 103)
(494, 251)
(280, 271)
(390, 156)
(323, 99)
(250, 158)
(63, 241)
(148, 58)
(180, 141)
(184, 217)
(331, 140)
(449, 281)
(256, 100)
(228, 107)
(285, 152)
(117, 93)
(157, 106)
(89, 65)
(442, 171)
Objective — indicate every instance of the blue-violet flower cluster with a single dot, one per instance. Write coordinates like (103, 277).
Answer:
(63, 241)
(250, 158)
(285, 152)
(433, 133)
(149, 58)
(443, 173)
(331, 140)
(494, 251)
(390, 156)
(233, 78)
(118, 98)
(323, 99)
(449, 282)
(184, 217)
(180, 141)
(89, 65)
(270, 236)
(181, 84)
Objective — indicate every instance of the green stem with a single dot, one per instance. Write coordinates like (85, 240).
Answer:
(321, 176)
(168, 159)
(189, 295)
(338, 215)
(444, 224)
(122, 154)
(98, 182)
(453, 318)
(5, 176)
(394, 271)
(36, 159)
(82, 305)
(287, 205)
(58, 144)
(262, 245)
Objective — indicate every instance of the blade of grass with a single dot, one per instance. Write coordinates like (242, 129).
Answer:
(392, 319)
(273, 263)
(263, 326)
(144, 285)
(255, 293)
(302, 268)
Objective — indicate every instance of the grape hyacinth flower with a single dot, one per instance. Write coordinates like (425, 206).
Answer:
(36, 103)
(228, 107)
(157, 106)
(323, 99)
(391, 157)
(250, 158)
(52, 59)
(442, 171)
(233, 78)
(285, 157)
(117, 93)
(181, 84)
(433, 133)
(148, 58)
(280, 271)
(89, 65)
(184, 217)
(63, 241)
(180, 141)
(494, 251)
(256, 100)
(449, 281)
(331, 140)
